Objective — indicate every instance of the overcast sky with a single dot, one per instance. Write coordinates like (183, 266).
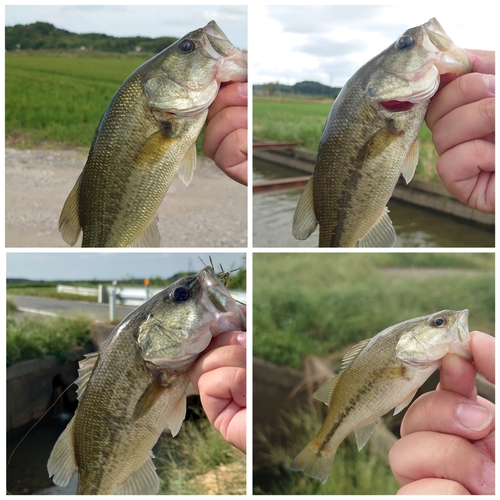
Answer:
(134, 20)
(113, 266)
(328, 43)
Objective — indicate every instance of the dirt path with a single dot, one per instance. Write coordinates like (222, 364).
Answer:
(210, 212)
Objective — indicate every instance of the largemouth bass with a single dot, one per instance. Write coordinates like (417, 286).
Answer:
(134, 388)
(380, 374)
(371, 138)
(147, 135)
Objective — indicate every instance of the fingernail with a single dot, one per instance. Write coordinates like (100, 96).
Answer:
(473, 416)
(490, 83)
(488, 476)
(242, 339)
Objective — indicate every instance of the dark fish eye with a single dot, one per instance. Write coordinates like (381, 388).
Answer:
(440, 321)
(404, 42)
(187, 46)
(181, 294)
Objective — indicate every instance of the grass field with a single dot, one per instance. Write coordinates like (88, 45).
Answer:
(58, 97)
(301, 120)
(345, 298)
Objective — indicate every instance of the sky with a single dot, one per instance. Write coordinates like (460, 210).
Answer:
(134, 20)
(82, 266)
(329, 43)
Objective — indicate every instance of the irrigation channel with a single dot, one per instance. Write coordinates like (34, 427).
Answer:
(422, 213)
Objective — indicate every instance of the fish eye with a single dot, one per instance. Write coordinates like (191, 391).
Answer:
(404, 42)
(187, 46)
(439, 321)
(181, 293)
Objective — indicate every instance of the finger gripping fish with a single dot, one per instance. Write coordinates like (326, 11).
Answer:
(371, 138)
(134, 388)
(147, 135)
(380, 374)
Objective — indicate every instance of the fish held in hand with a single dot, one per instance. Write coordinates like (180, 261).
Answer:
(380, 374)
(147, 135)
(134, 388)
(371, 138)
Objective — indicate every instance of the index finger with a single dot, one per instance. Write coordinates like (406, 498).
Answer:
(230, 94)
(483, 352)
(483, 61)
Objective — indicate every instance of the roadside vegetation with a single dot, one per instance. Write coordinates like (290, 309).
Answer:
(301, 119)
(31, 337)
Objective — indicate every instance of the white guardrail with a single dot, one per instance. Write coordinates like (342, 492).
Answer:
(126, 295)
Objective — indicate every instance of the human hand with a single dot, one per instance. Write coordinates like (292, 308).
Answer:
(226, 134)
(219, 375)
(448, 435)
(461, 117)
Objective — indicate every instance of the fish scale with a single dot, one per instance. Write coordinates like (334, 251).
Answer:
(134, 388)
(377, 375)
(146, 136)
(371, 138)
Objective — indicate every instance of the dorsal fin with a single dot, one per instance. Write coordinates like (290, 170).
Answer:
(85, 371)
(324, 393)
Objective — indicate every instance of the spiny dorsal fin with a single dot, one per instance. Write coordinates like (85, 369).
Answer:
(85, 371)
(352, 354)
(324, 393)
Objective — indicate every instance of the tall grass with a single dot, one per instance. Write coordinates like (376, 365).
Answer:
(60, 98)
(319, 303)
(32, 338)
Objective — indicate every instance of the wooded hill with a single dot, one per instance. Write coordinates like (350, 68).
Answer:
(41, 35)
(305, 88)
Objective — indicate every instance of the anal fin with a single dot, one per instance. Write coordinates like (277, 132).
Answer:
(143, 481)
(363, 434)
(304, 218)
(382, 233)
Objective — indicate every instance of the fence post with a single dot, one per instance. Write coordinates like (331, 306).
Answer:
(112, 303)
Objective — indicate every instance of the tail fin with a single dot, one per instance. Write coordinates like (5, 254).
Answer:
(315, 463)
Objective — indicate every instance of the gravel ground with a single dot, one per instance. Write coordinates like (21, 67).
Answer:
(210, 212)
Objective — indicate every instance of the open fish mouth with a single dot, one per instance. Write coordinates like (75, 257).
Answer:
(445, 57)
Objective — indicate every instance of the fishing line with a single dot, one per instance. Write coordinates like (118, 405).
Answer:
(36, 423)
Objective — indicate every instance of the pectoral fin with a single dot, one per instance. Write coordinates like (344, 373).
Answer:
(148, 398)
(411, 162)
(177, 416)
(363, 434)
(405, 403)
(187, 166)
(143, 481)
(62, 462)
(69, 220)
(304, 219)
(378, 143)
(382, 233)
